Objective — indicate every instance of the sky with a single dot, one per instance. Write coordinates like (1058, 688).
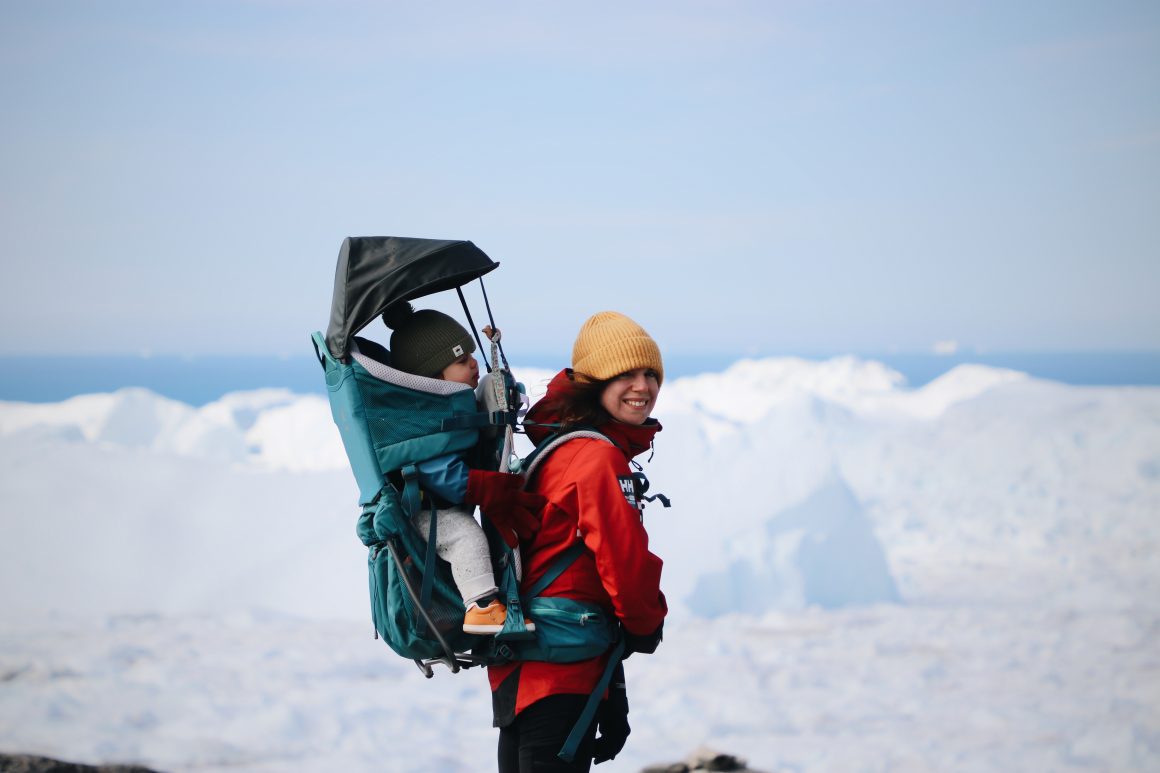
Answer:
(750, 178)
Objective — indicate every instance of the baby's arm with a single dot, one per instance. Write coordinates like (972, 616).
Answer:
(445, 477)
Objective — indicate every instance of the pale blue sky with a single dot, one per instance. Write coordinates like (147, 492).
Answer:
(741, 177)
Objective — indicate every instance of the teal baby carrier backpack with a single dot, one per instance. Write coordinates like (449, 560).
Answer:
(390, 421)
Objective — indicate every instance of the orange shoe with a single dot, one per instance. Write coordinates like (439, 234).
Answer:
(489, 619)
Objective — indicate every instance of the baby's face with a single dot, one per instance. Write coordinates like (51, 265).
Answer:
(465, 370)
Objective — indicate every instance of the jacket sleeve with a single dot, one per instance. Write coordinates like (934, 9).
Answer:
(613, 529)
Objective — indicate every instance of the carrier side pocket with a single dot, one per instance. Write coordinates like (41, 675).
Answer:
(568, 631)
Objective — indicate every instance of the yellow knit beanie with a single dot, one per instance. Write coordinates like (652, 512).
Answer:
(609, 344)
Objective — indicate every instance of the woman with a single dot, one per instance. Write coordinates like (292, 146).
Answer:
(612, 387)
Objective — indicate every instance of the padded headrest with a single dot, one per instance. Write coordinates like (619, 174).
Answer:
(374, 358)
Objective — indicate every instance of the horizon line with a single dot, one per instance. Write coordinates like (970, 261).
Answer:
(718, 355)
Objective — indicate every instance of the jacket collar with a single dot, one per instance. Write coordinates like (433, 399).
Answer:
(631, 439)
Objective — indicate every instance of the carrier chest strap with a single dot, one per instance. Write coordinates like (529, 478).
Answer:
(481, 419)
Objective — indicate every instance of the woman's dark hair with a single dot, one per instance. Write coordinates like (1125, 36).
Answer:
(580, 406)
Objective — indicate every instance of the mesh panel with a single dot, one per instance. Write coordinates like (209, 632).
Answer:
(395, 413)
(390, 427)
(396, 620)
(446, 607)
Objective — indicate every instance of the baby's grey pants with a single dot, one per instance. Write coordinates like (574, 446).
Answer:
(459, 540)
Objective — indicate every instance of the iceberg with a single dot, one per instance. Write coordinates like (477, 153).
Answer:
(821, 552)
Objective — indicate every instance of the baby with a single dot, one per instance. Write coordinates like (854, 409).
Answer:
(431, 344)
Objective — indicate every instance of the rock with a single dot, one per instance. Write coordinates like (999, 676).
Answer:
(28, 763)
(703, 758)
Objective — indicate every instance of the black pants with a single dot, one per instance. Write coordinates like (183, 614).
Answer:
(530, 743)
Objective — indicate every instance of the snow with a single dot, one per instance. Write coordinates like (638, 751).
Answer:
(862, 576)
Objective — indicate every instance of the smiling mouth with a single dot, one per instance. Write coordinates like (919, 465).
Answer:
(637, 403)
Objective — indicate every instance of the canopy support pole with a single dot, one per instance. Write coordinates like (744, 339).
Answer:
(470, 321)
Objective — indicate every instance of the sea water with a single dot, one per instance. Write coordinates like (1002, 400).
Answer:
(199, 380)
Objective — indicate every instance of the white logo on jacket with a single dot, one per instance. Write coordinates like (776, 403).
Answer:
(628, 487)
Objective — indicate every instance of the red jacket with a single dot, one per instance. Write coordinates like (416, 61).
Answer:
(582, 481)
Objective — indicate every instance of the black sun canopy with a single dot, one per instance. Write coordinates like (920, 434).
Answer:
(375, 271)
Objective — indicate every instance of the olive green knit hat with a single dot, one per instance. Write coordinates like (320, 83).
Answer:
(609, 344)
(425, 342)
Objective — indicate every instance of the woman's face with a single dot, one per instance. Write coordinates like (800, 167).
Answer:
(630, 397)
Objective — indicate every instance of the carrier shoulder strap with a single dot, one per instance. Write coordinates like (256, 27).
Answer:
(554, 441)
(533, 460)
(588, 714)
(562, 562)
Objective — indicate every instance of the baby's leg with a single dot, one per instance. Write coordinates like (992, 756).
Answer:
(460, 541)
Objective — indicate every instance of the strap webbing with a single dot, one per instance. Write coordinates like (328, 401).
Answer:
(568, 751)
(554, 441)
(480, 419)
(429, 563)
(557, 568)
(411, 492)
(428, 582)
